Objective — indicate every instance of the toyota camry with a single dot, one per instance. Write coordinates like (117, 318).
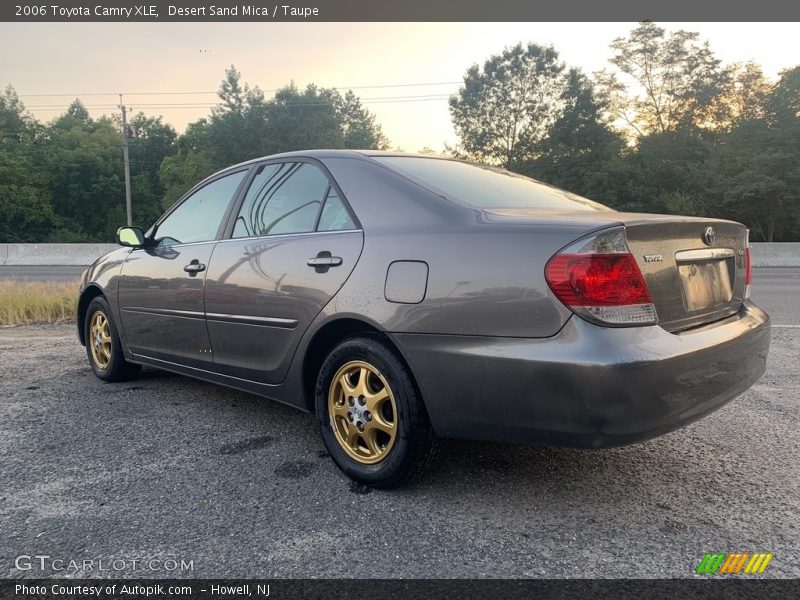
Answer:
(403, 299)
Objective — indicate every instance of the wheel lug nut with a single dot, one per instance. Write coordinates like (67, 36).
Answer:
(368, 416)
(360, 426)
(350, 401)
(361, 400)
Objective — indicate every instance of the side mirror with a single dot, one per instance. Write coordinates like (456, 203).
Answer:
(130, 236)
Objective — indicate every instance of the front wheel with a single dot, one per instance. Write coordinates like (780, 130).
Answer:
(371, 417)
(103, 345)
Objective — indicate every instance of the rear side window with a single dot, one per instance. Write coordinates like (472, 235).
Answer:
(334, 215)
(485, 187)
(283, 198)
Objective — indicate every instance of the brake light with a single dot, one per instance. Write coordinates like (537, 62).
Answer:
(748, 266)
(598, 279)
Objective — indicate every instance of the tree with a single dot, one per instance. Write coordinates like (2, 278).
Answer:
(507, 107)
(667, 81)
(783, 103)
(665, 173)
(358, 126)
(753, 177)
(579, 146)
(83, 162)
(76, 115)
(238, 128)
(154, 141)
(232, 93)
(747, 96)
(192, 161)
(13, 119)
(299, 120)
(753, 174)
(26, 211)
(246, 125)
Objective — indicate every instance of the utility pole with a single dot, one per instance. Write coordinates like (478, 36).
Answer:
(127, 162)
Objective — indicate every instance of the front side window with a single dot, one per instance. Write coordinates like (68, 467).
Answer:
(199, 217)
(283, 198)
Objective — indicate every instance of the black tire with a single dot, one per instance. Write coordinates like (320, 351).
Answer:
(414, 445)
(117, 368)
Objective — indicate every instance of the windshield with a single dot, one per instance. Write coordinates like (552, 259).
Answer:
(485, 187)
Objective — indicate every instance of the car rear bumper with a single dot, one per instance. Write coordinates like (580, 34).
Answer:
(587, 386)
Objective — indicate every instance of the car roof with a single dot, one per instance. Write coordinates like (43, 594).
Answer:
(328, 153)
(318, 154)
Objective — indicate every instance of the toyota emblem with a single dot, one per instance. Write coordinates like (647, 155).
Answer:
(709, 235)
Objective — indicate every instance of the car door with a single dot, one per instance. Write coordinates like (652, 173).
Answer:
(293, 242)
(161, 289)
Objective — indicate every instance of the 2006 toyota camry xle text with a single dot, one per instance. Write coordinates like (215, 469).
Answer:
(403, 299)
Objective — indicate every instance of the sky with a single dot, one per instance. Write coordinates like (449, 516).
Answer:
(77, 59)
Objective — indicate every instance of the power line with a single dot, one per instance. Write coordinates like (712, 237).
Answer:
(112, 94)
(322, 101)
(139, 105)
(429, 97)
(339, 87)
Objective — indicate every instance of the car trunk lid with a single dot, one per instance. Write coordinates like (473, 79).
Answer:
(695, 268)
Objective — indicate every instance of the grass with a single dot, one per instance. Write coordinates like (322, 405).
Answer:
(25, 302)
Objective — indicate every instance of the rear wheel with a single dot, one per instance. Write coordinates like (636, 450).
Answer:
(371, 417)
(103, 345)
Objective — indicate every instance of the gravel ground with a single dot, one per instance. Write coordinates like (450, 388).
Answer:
(165, 467)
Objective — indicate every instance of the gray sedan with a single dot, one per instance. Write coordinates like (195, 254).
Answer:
(402, 299)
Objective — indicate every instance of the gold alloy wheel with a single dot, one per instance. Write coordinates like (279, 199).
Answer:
(100, 340)
(363, 412)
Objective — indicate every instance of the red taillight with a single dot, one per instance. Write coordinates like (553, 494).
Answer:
(748, 273)
(598, 279)
(748, 266)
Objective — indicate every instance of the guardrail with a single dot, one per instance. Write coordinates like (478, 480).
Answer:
(777, 254)
(55, 255)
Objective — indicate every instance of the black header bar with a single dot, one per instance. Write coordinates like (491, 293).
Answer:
(708, 588)
(269, 11)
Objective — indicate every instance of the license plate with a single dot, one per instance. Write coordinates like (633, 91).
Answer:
(706, 284)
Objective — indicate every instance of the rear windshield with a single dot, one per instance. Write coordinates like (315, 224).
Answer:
(485, 187)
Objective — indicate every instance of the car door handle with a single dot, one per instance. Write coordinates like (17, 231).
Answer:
(324, 261)
(194, 267)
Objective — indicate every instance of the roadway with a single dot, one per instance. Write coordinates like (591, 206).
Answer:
(168, 467)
